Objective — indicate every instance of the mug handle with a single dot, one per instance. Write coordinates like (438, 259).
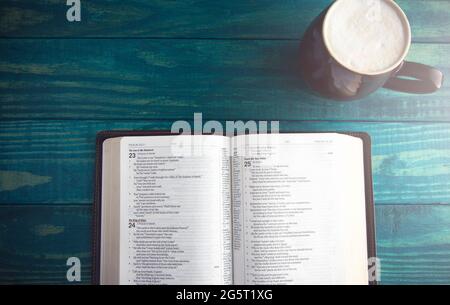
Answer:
(424, 79)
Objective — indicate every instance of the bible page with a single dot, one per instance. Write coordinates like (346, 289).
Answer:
(175, 210)
(299, 209)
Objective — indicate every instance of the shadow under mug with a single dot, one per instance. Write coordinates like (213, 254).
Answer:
(325, 75)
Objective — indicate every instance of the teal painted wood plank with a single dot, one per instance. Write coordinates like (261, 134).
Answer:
(154, 79)
(52, 162)
(430, 19)
(413, 243)
(35, 243)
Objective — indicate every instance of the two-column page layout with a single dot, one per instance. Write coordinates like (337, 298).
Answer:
(250, 209)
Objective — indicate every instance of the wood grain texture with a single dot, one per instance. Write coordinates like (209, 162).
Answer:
(413, 243)
(35, 243)
(430, 19)
(52, 162)
(154, 79)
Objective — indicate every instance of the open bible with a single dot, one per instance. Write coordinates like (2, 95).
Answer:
(288, 208)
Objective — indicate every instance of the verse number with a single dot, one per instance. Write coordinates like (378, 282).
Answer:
(132, 155)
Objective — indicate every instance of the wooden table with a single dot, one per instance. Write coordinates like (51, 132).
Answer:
(143, 64)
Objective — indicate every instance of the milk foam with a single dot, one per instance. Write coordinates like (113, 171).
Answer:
(367, 36)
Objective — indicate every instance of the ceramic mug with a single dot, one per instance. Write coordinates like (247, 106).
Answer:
(327, 76)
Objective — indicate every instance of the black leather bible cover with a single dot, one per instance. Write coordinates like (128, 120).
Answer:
(97, 209)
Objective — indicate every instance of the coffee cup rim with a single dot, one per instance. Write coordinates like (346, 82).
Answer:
(386, 70)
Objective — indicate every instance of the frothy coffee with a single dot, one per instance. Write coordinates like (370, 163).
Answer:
(366, 36)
